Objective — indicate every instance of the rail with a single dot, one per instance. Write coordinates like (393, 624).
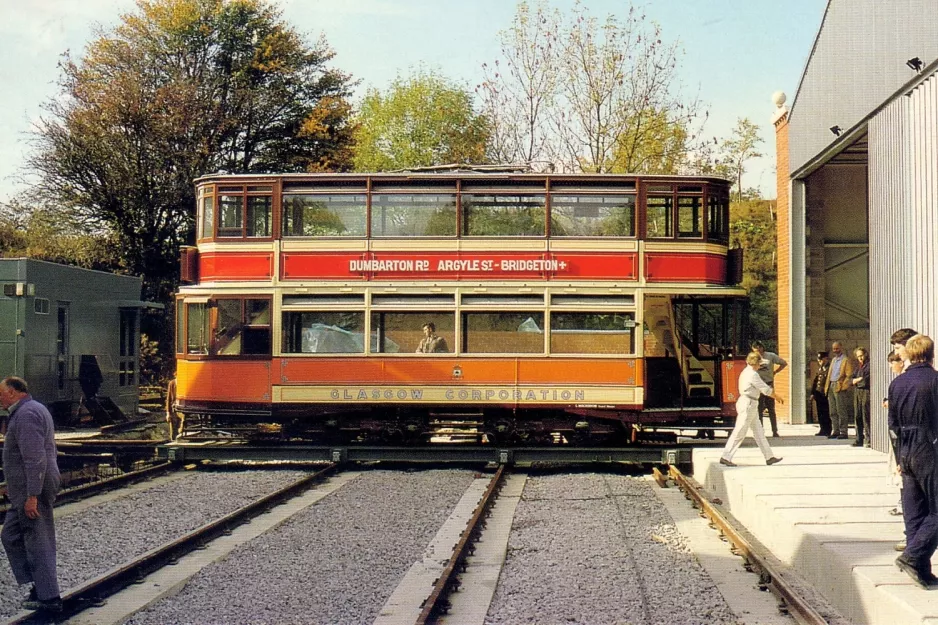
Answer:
(436, 603)
(793, 602)
(95, 590)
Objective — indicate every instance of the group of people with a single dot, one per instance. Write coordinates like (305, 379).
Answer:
(841, 388)
(912, 404)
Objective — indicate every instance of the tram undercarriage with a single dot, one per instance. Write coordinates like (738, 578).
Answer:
(485, 426)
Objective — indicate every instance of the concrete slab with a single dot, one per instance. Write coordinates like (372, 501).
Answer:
(471, 604)
(406, 602)
(824, 512)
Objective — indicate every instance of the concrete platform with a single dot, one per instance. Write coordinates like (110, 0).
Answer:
(824, 511)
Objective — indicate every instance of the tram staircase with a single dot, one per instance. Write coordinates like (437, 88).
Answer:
(698, 382)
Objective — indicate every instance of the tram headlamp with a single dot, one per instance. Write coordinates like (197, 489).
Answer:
(457, 372)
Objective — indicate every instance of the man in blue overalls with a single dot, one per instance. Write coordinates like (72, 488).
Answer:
(913, 418)
(32, 477)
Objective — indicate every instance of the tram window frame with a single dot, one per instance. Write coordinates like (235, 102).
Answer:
(240, 204)
(505, 211)
(292, 345)
(444, 323)
(568, 200)
(664, 212)
(440, 213)
(354, 220)
(250, 332)
(199, 329)
(180, 326)
(694, 204)
(206, 216)
(718, 208)
(556, 333)
(539, 316)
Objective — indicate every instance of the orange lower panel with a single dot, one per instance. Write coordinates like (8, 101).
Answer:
(246, 381)
(455, 371)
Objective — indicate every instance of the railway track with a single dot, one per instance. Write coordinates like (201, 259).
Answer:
(94, 593)
(790, 600)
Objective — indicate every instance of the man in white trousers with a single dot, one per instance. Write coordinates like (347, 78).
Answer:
(751, 386)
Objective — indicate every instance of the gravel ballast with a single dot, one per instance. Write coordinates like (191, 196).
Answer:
(101, 537)
(336, 562)
(600, 549)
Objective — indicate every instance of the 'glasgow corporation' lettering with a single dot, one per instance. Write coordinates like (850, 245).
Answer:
(458, 394)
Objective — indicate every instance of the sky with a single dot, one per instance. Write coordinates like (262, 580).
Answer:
(736, 53)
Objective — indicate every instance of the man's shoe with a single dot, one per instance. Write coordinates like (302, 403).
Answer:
(925, 579)
(899, 546)
(49, 605)
(842, 437)
(834, 435)
(822, 433)
(773, 460)
(727, 463)
(857, 443)
(774, 434)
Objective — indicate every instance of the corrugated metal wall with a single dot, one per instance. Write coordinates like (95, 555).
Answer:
(903, 170)
(858, 61)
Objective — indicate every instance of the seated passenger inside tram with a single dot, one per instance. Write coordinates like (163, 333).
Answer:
(431, 342)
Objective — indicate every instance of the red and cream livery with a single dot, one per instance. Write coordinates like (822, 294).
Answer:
(569, 307)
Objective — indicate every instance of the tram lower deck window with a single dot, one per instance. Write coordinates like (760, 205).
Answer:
(324, 332)
(241, 327)
(592, 333)
(413, 332)
(503, 332)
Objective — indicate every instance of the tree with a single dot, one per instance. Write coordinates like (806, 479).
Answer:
(753, 229)
(419, 121)
(36, 232)
(178, 89)
(590, 96)
(518, 92)
(739, 148)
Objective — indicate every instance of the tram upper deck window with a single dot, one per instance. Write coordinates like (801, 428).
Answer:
(503, 332)
(491, 215)
(690, 216)
(208, 217)
(324, 332)
(592, 333)
(592, 215)
(245, 213)
(718, 218)
(324, 215)
(659, 213)
(413, 215)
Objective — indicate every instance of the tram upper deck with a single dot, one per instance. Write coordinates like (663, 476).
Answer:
(290, 229)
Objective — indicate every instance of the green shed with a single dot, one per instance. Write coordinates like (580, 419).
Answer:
(71, 333)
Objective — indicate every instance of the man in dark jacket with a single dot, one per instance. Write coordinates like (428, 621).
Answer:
(913, 418)
(32, 478)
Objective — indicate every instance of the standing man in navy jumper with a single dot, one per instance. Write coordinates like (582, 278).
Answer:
(913, 418)
(32, 477)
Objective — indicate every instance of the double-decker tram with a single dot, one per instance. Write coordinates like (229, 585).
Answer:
(502, 307)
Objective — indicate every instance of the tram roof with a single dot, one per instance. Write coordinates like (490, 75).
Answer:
(493, 173)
